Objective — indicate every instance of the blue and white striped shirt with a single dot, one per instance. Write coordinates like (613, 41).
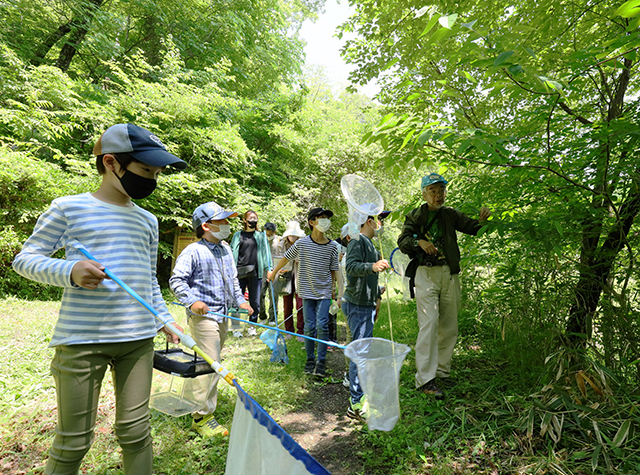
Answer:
(207, 272)
(123, 239)
(315, 263)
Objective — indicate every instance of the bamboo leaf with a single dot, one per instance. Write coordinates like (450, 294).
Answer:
(530, 421)
(593, 385)
(546, 421)
(622, 433)
(595, 457)
(581, 386)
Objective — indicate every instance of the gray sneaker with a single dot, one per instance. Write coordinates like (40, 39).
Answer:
(310, 366)
(320, 369)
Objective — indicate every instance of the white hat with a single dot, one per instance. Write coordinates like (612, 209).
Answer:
(293, 229)
(350, 229)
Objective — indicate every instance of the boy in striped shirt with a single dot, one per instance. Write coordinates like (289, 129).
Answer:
(316, 280)
(99, 325)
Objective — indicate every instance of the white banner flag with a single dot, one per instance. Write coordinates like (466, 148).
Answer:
(259, 446)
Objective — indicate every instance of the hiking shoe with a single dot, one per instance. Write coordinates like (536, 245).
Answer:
(300, 339)
(358, 411)
(251, 331)
(320, 369)
(310, 366)
(431, 388)
(237, 334)
(345, 380)
(209, 427)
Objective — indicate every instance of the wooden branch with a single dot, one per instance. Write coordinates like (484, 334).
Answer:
(570, 111)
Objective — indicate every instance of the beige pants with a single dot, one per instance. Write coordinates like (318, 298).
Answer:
(437, 299)
(209, 336)
(78, 371)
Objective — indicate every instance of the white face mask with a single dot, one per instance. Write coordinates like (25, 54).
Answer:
(270, 238)
(223, 233)
(323, 224)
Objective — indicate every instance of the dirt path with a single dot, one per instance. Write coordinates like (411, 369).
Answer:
(323, 429)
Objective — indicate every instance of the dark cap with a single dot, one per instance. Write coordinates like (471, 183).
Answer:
(313, 212)
(269, 227)
(137, 142)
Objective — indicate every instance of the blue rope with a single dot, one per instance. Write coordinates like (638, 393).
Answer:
(268, 327)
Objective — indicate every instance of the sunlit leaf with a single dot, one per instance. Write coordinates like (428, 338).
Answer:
(422, 11)
(628, 9)
(430, 24)
(448, 21)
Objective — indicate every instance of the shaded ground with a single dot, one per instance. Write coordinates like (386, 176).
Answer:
(323, 429)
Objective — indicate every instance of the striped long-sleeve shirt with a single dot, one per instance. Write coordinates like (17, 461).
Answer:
(315, 263)
(123, 239)
(207, 272)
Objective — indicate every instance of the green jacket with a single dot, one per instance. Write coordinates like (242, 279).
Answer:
(449, 221)
(264, 251)
(362, 282)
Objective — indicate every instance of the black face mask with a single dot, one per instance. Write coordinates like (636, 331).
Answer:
(252, 224)
(136, 186)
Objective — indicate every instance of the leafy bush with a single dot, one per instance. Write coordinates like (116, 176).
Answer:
(27, 186)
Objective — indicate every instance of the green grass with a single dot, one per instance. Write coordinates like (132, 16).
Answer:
(499, 418)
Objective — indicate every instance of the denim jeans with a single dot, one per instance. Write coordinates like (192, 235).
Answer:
(254, 284)
(316, 325)
(360, 321)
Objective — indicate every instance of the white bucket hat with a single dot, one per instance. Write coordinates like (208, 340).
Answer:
(293, 229)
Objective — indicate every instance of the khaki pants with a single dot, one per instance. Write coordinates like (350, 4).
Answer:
(78, 371)
(210, 337)
(438, 300)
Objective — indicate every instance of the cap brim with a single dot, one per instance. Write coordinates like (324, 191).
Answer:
(159, 158)
(384, 214)
(226, 214)
(328, 212)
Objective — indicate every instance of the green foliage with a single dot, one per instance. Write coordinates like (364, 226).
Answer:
(27, 186)
(537, 105)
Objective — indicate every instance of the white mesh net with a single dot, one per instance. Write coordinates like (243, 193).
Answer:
(363, 200)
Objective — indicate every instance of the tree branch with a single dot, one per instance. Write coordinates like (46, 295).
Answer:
(570, 111)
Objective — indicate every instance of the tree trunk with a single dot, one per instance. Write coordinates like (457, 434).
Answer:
(80, 26)
(47, 44)
(593, 279)
(70, 48)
